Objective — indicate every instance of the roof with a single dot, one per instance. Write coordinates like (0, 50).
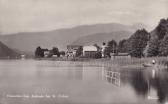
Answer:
(89, 48)
(73, 46)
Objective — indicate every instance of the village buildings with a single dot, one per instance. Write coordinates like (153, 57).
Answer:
(93, 51)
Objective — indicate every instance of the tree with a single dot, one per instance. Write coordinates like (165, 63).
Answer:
(79, 51)
(162, 28)
(153, 48)
(138, 42)
(111, 47)
(55, 51)
(39, 52)
(163, 48)
(112, 44)
(158, 42)
(98, 54)
(122, 46)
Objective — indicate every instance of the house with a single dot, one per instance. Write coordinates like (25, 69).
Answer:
(120, 55)
(46, 53)
(71, 49)
(90, 51)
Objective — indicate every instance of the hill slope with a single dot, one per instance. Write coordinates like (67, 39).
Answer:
(99, 38)
(6, 52)
(60, 38)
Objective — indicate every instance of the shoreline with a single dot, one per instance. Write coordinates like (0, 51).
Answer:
(162, 62)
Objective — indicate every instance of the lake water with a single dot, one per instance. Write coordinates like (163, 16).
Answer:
(58, 82)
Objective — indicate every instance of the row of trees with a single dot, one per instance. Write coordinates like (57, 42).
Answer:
(158, 44)
(113, 47)
(39, 52)
(143, 43)
(135, 45)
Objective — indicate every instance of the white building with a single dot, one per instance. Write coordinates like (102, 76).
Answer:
(89, 51)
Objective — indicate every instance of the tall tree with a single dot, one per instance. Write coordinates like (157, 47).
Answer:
(39, 52)
(162, 28)
(163, 48)
(157, 43)
(121, 46)
(138, 42)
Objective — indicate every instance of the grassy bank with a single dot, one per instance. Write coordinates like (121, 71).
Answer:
(162, 62)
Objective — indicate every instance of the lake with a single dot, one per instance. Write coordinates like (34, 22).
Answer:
(65, 82)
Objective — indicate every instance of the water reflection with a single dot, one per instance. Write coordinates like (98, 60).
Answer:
(149, 83)
(75, 74)
(160, 83)
(84, 82)
(112, 77)
(139, 83)
(70, 71)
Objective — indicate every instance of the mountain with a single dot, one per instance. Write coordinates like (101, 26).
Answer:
(28, 41)
(6, 52)
(99, 38)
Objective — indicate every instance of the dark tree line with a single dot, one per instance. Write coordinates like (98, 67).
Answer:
(135, 45)
(158, 44)
(143, 43)
(39, 52)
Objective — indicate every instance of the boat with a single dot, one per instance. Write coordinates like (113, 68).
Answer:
(149, 64)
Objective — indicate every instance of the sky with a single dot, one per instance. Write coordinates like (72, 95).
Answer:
(44, 15)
